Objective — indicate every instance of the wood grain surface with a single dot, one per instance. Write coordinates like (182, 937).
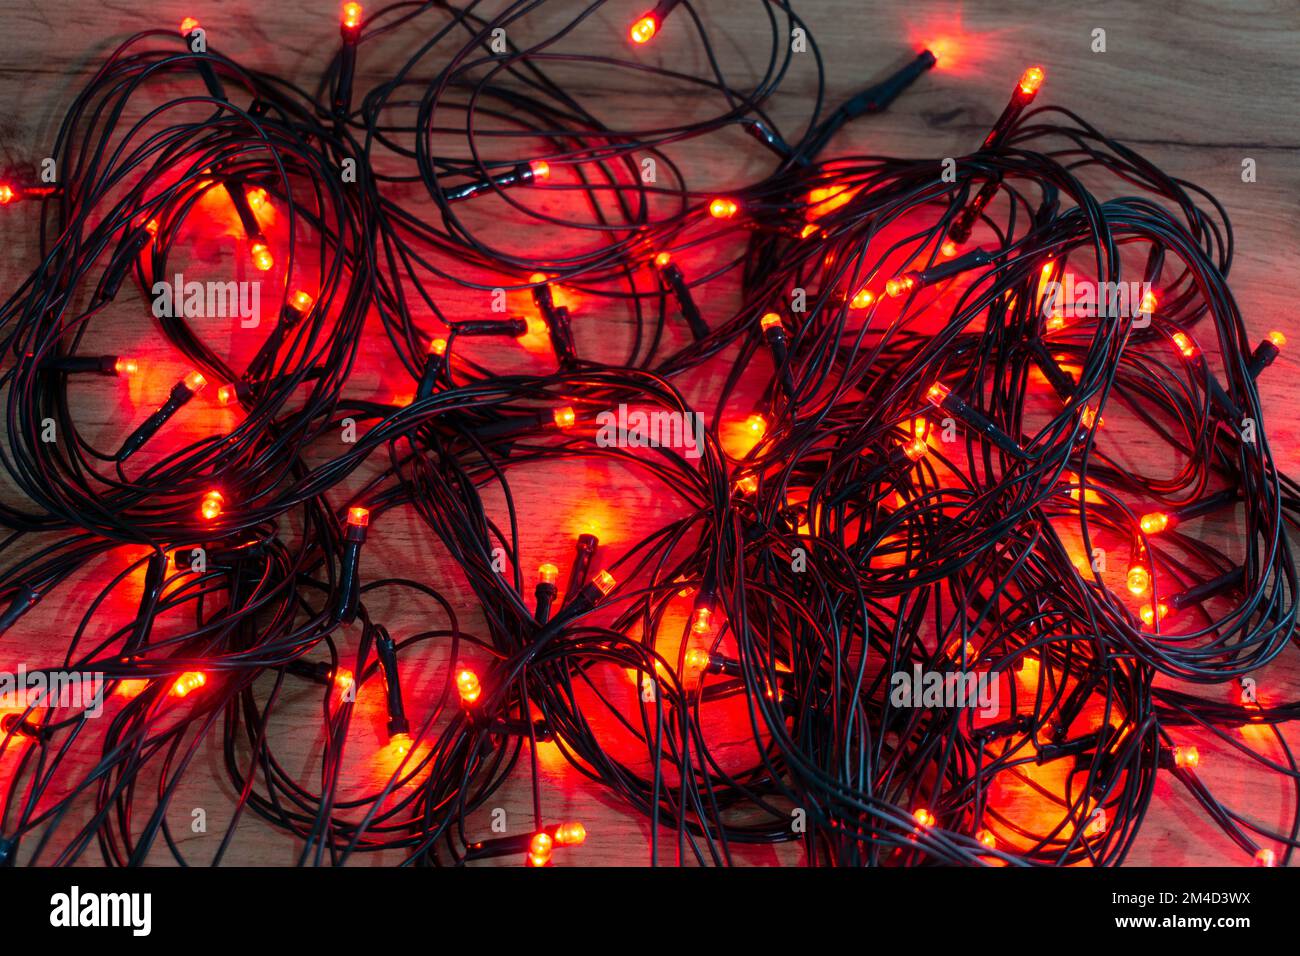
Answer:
(1196, 85)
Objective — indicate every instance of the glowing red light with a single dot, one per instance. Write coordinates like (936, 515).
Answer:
(1154, 522)
(213, 503)
(570, 834)
(1031, 80)
(644, 29)
(1139, 580)
(540, 849)
(188, 682)
(915, 449)
(262, 258)
(468, 686)
(723, 208)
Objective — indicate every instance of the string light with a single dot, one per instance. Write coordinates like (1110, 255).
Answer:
(263, 581)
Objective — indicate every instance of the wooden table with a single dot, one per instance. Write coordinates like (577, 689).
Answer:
(1197, 86)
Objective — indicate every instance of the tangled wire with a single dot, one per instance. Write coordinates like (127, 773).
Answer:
(1000, 432)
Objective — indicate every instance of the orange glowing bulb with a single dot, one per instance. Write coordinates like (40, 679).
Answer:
(188, 26)
(1031, 80)
(644, 29)
(747, 484)
(1265, 857)
(958, 648)
(188, 682)
(467, 686)
(937, 393)
(226, 395)
(1277, 338)
(541, 168)
(702, 622)
(948, 250)
(605, 582)
(548, 573)
(570, 834)
(213, 503)
(915, 449)
(359, 517)
(438, 347)
(863, 299)
(770, 321)
(195, 381)
(896, 287)
(723, 208)
(1148, 304)
(1150, 615)
(662, 260)
(126, 366)
(6, 194)
(565, 417)
(756, 425)
(352, 15)
(401, 744)
(923, 817)
(1154, 522)
(132, 688)
(539, 850)
(1139, 580)
(1184, 344)
(1188, 758)
(987, 838)
(696, 659)
(261, 256)
(257, 198)
(344, 680)
(301, 301)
